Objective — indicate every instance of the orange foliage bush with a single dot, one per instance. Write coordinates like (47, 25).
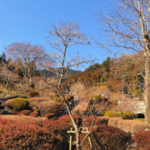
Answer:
(67, 119)
(142, 140)
(33, 114)
(110, 138)
(49, 107)
(36, 100)
(49, 115)
(98, 121)
(16, 135)
(25, 112)
(22, 119)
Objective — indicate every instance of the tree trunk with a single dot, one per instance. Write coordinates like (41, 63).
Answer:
(147, 87)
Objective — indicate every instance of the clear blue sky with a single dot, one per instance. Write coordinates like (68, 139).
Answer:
(28, 21)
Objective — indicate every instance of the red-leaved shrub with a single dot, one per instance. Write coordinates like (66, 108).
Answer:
(142, 140)
(49, 115)
(98, 121)
(16, 135)
(110, 138)
(36, 100)
(49, 107)
(33, 114)
(59, 128)
(25, 112)
(66, 118)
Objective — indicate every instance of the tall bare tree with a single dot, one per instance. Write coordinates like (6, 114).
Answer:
(67, 35)
(27, 55)
(126, 27)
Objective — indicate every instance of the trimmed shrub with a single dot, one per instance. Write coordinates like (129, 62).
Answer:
(98, 121)
(110, 138)
(20, 103)
(52, 95)
(67, 119)
(142, 140)
(59, 128)
(33, 93)
(125, 115)
(57, 99)
(25, 112)
(16, 135)
(33, 114)
(49, 115)
(37, 110)
(36, 100)
(49, 107)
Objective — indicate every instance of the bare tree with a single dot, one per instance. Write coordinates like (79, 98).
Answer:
(126, 27)
(27, 55)
(68, 35)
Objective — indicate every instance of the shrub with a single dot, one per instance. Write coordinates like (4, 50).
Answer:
(16, 135)
(96, 98)
(36, 100)
(20, 103)
(33, 93)
(49, 107)
(49, 115)
(98, 121)
(59, 128)
(57, 99)
(142, 140)
(25, 112)
(37, 110)
(105, 137)
(125, 115)
(52, 95)
(33, 114)
(67, 119)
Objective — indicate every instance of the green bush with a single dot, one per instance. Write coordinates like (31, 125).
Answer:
(20, 103)
(127, 115)
(33, 93)
(124, 115)
(57, 99)
(95, 97)
(112, 114)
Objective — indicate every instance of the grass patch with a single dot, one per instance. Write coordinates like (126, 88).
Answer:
(140, 119)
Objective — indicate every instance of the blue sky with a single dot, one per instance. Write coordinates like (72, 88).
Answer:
(29, 20)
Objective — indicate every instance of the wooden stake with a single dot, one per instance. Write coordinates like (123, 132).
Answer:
(89, 139)
(70, 146)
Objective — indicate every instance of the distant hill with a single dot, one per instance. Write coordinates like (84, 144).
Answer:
(70, 72)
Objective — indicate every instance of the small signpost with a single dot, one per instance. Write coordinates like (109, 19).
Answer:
(71, 132)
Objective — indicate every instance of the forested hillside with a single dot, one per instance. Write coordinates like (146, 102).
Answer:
(124, 74)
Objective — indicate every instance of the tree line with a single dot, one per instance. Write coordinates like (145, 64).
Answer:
(123, 74)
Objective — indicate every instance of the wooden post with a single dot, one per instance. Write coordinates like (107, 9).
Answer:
(82, 132)
(70, 146)
(89, 139)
